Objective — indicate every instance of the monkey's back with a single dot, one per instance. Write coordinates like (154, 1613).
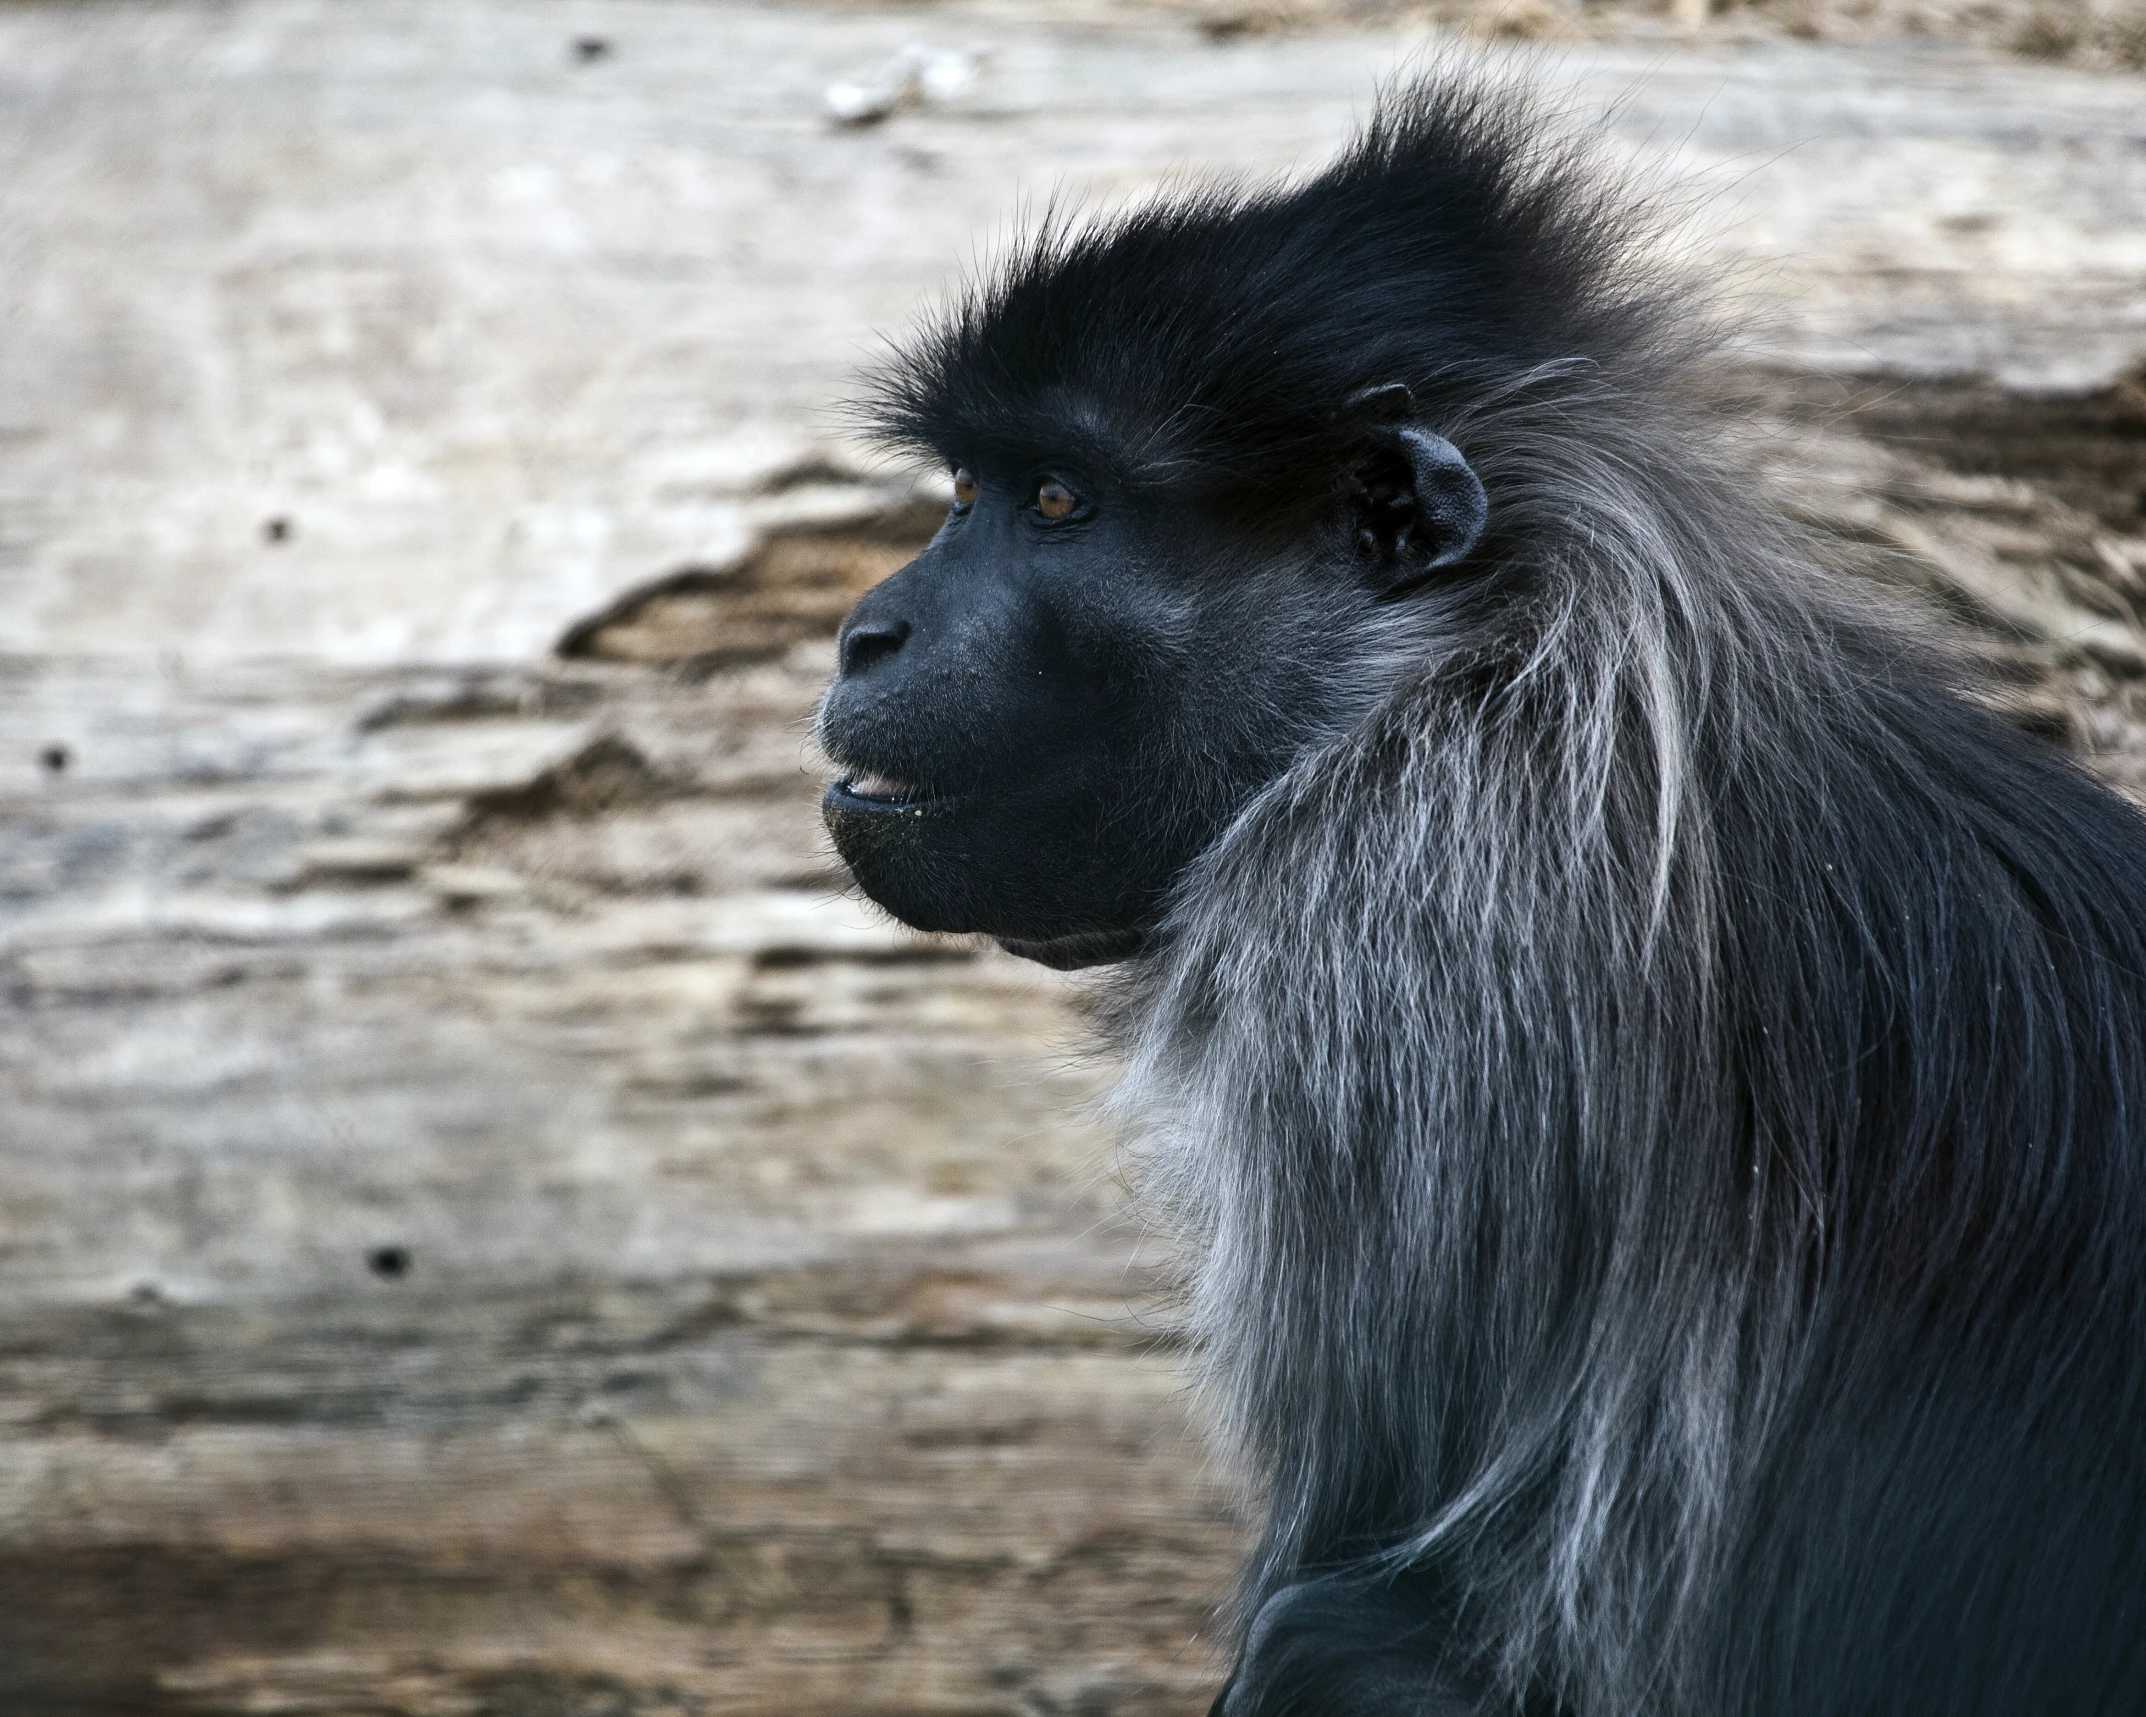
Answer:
(1953, 1487)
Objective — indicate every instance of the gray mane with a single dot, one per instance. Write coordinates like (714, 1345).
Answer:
(1534, 1070)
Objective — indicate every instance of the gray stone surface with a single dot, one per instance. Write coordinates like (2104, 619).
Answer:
(484, 1225)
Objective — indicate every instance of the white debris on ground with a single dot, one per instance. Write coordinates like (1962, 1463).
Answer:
(914, 76)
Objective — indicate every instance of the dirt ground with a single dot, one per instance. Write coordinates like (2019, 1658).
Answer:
(486, 1226)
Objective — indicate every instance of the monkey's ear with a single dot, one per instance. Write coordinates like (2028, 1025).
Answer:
(1417, 507)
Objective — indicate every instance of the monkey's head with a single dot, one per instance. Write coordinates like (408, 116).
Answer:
(1211, 463)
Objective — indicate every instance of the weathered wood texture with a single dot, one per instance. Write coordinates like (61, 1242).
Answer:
(484, 1226)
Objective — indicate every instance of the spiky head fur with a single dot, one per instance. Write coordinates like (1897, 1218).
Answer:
(1218, 334)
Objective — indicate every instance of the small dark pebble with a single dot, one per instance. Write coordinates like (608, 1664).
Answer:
(388, 1261)
(589, 49)
(276, 530)
(55, 758)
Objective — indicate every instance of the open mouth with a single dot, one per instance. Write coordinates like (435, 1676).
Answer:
(878, 787)
(868, 789)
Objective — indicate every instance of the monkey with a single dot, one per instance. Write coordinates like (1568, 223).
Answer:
(1648, 1070)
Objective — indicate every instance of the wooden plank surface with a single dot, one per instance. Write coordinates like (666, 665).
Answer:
(485, 1226)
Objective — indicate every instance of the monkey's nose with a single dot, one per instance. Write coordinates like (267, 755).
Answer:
(869, 641)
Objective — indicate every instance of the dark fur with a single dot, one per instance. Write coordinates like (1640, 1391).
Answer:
(1654, 1078)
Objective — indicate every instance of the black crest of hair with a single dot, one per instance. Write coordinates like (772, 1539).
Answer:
(1649, 1071)
(1221, 334)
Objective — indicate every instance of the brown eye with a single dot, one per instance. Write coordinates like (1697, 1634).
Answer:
(1054, 500)
(965, 490)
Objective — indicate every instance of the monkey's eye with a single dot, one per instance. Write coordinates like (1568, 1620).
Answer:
(1054, 500)
(965, 488)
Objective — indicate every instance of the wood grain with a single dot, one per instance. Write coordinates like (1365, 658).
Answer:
(486, 1226)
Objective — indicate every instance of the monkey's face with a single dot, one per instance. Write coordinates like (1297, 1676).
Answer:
(1050, 712)
(996, 712)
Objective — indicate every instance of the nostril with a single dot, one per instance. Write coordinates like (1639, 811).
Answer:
(874, 640)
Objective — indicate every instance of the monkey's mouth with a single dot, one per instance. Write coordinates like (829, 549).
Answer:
(869, 786)
(868, 790)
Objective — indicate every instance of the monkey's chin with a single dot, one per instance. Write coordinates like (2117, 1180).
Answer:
(957, 865)
(1084, 948)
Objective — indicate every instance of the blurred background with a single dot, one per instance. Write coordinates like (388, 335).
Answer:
(486, 1226)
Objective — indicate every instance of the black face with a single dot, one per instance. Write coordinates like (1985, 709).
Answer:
(1051, 711)
(991, 711)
